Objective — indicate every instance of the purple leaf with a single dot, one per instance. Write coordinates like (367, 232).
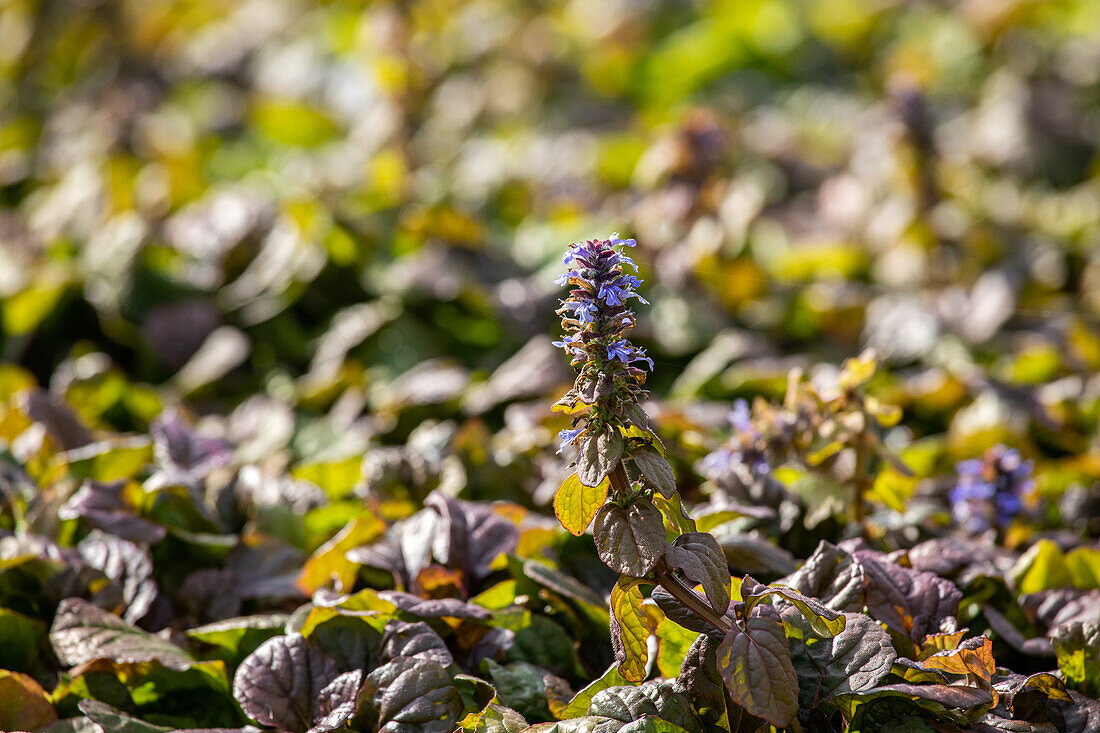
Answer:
(179, 449)
(280, 683)
(81, 632)
(101, 505)
(433, 607)
(755, 664)
(126, 563)
(57, 417)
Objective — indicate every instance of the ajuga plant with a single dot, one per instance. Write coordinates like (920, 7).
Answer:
(624, 487)
(991, 491)
(834, 429)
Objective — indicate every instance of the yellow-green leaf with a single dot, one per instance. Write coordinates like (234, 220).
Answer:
(675, 516)
(578, 706)
(673, 642)
(1083, 564)
(24, 311)
(577, 504)
(1042, 567)
(336, 478)
(329, 563)
(629, 629)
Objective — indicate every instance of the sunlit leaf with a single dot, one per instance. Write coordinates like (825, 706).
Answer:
(576, 504)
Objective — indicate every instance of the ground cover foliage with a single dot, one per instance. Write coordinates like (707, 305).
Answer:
(279, 446)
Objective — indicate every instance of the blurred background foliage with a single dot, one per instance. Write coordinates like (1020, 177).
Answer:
(339, 222)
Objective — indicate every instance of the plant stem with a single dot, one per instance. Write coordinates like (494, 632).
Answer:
(689, 598)
(861, 483)
(619, 482)
(667, 579)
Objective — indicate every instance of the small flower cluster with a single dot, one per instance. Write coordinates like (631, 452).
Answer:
(595, 319)
(827, 426)
(746, 447)
(992, 490)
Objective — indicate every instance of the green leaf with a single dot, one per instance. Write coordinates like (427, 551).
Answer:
(655, 468)
(154, 691)
(1084, 567)
(336, 478)
(1042, 567)
(239, 637)
(1078, 648)
(598, 456)
(521, 686)
(329, 564)
(630, 540)
(576, 504)
(578, 706)
(292, 123)
(911, 671)
(825, 621)
(675, 515)
(20, 638)
(629, 629)
(497, 719)
(700, 558)
(855, 659)
(755, 664)
(22, 312)
(541, 641)
(476, 693)
(673, 643)
(112, 459)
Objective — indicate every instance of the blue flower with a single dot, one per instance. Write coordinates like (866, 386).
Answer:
(567, 437)
(613, 294)
(970, 467)
(715, 462)
(583, 311)
(740, 418)
(990, 491)
(627, 353)
(568, 342)
(621, 350)
(586, 312)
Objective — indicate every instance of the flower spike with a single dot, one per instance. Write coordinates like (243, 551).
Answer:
(596, 319)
